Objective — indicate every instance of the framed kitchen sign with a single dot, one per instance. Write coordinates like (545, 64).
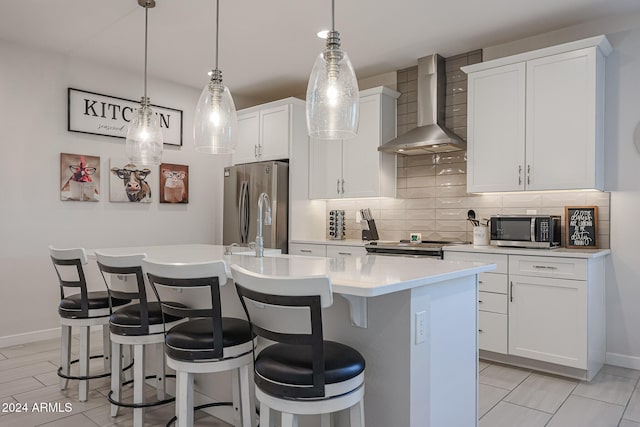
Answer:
(97, 114)
(581, 227)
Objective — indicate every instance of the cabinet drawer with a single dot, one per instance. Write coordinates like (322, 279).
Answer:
(563, 268)
(492, 332)
(492, 282)
(499, 260)
(334, 251)
(308, 249)
(496, 303)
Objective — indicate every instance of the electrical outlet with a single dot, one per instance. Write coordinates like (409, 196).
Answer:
(358, 216)
(531, 211)
(421, 327)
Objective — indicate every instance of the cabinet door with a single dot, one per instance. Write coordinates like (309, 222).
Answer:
(335, 251)
(360, 155)
(248, 134)
(561, 121)
(496, 129)
(325, 169)
(548, 320)
(274, 133)
(307, 249)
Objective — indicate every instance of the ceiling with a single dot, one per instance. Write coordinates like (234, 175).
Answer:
(267, 48)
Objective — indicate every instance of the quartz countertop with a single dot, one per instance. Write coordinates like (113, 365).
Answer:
(363, 275)
(555, 252)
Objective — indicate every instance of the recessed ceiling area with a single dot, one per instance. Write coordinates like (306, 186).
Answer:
(267, 48)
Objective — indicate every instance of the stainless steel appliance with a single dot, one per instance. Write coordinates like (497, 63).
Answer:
(528, 231)
(424, 248)
(243, 185)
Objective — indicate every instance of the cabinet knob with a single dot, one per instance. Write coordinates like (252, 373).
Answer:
(519, 175)
(338, 186)
(480, 330)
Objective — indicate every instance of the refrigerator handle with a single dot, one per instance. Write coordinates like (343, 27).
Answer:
(243, 206)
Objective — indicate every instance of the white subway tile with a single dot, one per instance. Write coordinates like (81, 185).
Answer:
(532, 201)
(412, 214)
(562, 199)
(426, 203)
(427, 170)
(447, 180)
(421, 181)
(452, 191)
(451, 202)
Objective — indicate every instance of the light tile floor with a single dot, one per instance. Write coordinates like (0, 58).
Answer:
(508, 396)
(28, 376)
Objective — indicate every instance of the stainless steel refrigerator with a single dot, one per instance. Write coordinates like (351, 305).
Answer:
(243, 184)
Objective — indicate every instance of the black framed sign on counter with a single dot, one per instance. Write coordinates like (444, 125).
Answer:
(581, 227)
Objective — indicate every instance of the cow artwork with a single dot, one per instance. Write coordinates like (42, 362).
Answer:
(130, 183)
(174, 183)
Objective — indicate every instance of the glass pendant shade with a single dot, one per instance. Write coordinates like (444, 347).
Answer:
(144, 138)
(214, 128)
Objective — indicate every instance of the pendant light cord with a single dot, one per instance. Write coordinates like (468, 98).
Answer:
(333, 15)
(146, 24)
(217, 29)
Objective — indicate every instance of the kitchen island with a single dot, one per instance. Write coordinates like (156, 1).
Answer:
(414, 321)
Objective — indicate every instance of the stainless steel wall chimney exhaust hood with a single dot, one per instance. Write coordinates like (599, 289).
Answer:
(431, 136)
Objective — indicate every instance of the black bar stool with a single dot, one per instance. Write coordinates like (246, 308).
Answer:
(138, 325)
(83, 309)
(206, 342)
(301, 374)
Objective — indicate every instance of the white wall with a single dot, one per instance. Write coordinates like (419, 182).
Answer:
(622, 165)
(33, 120)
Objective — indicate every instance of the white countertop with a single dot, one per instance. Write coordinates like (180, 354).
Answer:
(364, 275)
(563, 252)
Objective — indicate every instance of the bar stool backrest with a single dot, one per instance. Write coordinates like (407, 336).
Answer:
(299, 295)
(190, 290)
(124, 279)
(68, 264)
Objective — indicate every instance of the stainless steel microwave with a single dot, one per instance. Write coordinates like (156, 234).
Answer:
(527, 231)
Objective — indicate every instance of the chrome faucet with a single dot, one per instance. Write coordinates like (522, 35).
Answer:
(264, 198)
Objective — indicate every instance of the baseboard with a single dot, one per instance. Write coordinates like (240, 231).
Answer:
(622, 360)
(28, 337)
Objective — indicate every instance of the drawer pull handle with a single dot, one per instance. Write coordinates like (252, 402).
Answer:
(480, 330)
(344, 253)
(511, 292)
(308, 251)
(480, 301)
(546, 267)
(480, 282)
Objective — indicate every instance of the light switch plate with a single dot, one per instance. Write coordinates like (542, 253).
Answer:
(421, 326)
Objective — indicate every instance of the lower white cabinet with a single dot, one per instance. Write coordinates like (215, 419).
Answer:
(548, 320)
(326, 249)
(548, 309)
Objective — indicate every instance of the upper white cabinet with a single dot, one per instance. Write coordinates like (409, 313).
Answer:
(535, 120)
(355, 167)
(266, 132)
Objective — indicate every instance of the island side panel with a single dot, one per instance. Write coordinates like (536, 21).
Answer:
(444, 367)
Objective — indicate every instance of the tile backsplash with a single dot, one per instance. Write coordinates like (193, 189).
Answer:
(432, 196)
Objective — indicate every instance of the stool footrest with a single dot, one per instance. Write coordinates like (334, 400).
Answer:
(195, 408)
(88, 377)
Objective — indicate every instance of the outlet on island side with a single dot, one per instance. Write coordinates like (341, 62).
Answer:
(421, 326)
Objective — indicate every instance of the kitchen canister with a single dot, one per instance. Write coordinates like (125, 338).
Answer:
(337, 229)
(481, 235)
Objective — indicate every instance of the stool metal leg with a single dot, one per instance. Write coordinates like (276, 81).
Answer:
(106, 347)
(325, 420)
(356, 414)
(138, 384)
(84, 363)
(116, 376)
(264, 415)
(237, 405)
(289, 420)
(65, 354)
(126, 355)
(184, 399)
(160, 371)
(246, 402)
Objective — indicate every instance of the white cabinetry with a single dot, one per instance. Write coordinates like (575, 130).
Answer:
(535, 120)
(328, 250)
(555, 315)
(307, 249)
(266, 132)
(355, 167)
(492, 300)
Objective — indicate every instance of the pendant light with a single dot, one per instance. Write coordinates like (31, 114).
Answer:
(332, 93)
(144, 138)
(214, 127)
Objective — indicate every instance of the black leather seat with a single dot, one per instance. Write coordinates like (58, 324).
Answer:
(71, 306)
(128, 320)
(206, 342)
(300, 373)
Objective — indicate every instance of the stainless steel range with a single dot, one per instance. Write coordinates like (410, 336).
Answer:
(425, 248)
